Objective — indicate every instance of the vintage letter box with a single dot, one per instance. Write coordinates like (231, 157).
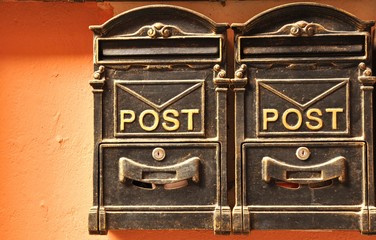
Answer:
(304, 141)
(160, 122)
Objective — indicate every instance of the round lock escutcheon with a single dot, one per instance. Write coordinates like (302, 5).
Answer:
(158, 154)
(303, 153)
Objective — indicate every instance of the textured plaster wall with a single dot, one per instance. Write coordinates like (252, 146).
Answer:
(46, 118)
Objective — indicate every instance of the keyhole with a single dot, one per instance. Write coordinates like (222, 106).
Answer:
(158, 154)
(303, 153)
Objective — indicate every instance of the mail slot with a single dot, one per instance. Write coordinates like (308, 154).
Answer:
(303, 114)
(160, 122)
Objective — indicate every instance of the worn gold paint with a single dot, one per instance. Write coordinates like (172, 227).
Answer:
(170, 116)
(190, 113)
(267, 119)
(167, 118)
(313, 118)
(313, 114)
(334, 112)
(156, 120)
(298, 123)
(124, 120)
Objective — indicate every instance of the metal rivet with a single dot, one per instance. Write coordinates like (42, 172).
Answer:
(158, 154)
(303, 153)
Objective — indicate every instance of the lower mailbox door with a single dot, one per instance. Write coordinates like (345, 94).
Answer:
(304, 175)
(159, 185)
(305, 185)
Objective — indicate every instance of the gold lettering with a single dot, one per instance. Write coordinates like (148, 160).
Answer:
(267, 119)
(313, 118)
(190, 113)
(124, 120)
(176, 123)
(156, 120)
(334, 112)
(298, 123)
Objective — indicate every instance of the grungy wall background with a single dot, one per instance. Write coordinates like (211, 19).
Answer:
(46, 117)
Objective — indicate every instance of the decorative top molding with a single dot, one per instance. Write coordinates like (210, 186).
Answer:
(365, 75)
(301, 28)
(158, 30)
(98, 82)
(268, 20)
(154, 15)
(239, 81)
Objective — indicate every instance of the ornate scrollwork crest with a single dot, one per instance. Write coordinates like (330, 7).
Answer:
(159, 30)
(301, 28)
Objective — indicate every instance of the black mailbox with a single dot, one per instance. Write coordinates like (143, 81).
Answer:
(303, 114)
(160, 122)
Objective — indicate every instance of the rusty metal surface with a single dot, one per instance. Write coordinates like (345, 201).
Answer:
(160, 122)
(303, 116)
(304, 141)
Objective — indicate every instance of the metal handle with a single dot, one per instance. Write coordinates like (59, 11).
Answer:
(334, 168)
(189, 169)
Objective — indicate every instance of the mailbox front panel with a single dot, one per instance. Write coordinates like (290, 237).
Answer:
(305, 174)
(164, 105)
(301, 107)
(303, 115)
(160, 122)
(134, 175)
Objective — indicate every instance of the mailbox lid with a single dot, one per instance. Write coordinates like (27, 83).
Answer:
(159, 34)
(329, 174)
(324, 47)
(302, 32)
(146, 50)
(184, 174)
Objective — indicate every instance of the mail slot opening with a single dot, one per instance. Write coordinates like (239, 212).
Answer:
(287, 185)
(167, 186)
(151, 49)
(303, 174)
(158, 175)
(318, 185)
(307, 47)
(176, 185)
(143, 185)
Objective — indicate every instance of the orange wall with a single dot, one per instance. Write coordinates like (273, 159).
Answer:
(46, 118)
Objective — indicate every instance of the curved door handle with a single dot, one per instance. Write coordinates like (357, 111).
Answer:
(189, 169)
(334, 168)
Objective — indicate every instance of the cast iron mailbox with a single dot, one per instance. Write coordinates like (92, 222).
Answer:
(304, 141)
(160, 122)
